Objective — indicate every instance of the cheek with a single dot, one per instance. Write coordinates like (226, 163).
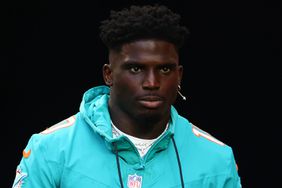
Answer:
(173, 93)
(170, 82)
(125, 84)
(170, 88)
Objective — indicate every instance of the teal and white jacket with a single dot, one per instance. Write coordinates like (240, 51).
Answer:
(80, 152)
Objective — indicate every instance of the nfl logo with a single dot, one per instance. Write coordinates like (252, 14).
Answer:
(134, 181)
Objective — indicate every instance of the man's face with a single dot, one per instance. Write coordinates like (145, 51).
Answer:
(144, 77)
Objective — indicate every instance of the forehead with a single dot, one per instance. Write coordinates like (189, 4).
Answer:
(146, 50)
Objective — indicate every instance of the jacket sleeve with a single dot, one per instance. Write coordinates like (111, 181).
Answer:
(234, 180)
(34, 170)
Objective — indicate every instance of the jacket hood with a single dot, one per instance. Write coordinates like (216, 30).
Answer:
(94, 110)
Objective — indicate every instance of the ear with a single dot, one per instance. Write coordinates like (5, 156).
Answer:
(107, 74)
(180, 73)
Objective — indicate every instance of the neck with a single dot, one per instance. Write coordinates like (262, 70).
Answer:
(145, 128)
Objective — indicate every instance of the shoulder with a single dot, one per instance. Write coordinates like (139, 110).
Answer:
(203, 152)
(205, 155)
(201, 134)
(64, 124)
(61, 133)
(53, 139)
(44, 154)
(200, 143)
(210, 152)
(207, 145)
(193, 134)
(204, 142)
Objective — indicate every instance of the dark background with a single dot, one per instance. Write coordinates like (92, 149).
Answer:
(51, 54)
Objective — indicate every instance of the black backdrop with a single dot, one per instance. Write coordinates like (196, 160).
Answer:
(52, 54)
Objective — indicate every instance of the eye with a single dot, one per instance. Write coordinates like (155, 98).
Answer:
(135, 69)
(165, 70)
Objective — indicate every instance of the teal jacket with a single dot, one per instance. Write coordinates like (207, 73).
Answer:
(80, 152)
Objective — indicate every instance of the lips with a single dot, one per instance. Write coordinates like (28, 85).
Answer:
(151, 101)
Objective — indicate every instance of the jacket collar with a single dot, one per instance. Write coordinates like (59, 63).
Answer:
(94, 110)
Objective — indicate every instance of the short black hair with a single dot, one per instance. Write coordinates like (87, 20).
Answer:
(142, 22)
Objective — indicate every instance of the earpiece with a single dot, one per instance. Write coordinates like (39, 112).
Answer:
(178, 91)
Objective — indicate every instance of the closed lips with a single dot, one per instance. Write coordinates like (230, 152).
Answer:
(150, 98)
(151, 101)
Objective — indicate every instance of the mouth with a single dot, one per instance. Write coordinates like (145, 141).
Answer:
(151, 101)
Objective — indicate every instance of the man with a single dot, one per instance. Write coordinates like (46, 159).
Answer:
(128, 134)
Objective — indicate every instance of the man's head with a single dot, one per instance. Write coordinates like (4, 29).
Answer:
(144, 70)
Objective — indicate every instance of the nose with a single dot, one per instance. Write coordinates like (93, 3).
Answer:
(151, 81)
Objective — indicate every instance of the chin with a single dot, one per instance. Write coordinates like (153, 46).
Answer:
(150, 117)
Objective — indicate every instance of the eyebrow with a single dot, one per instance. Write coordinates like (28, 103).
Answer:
(170, 65)
(135, 63)
(129, 64)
